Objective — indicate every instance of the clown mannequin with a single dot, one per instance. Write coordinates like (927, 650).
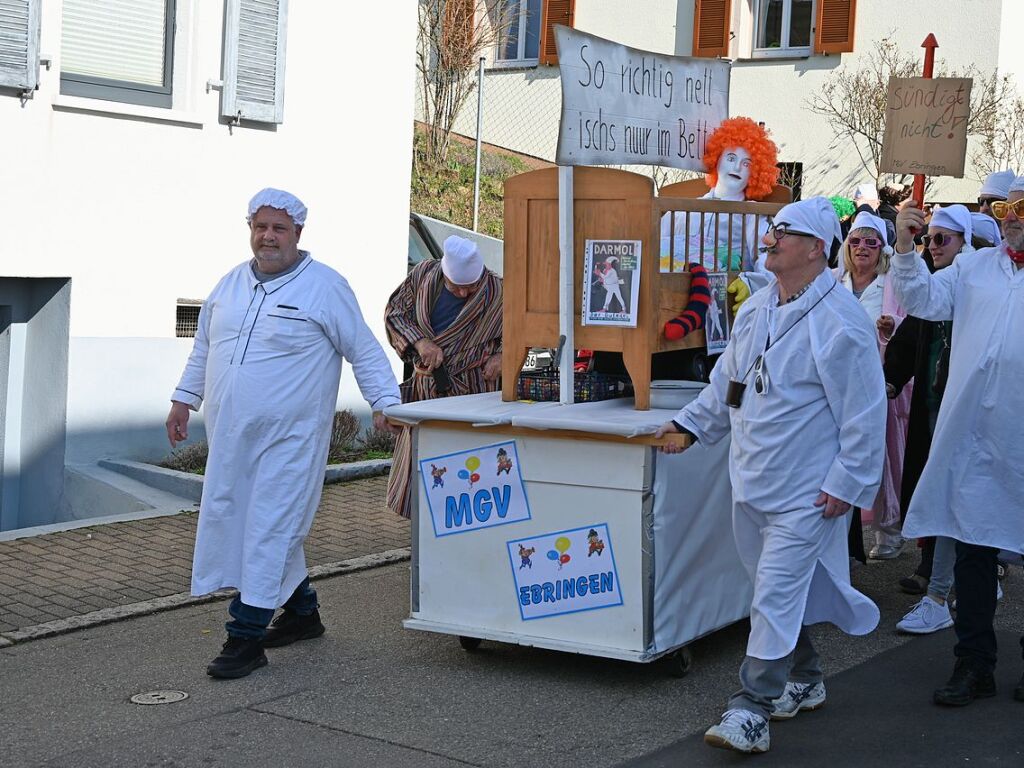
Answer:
(741, 162)
(744, 161)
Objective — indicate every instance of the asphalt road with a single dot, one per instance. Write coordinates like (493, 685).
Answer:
(372, 693)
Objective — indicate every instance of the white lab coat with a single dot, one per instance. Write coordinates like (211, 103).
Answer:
(972, 486)
(820, 427)
(267, 363)
(871, 299)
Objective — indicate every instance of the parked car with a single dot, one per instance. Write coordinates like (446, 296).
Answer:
(422, 244)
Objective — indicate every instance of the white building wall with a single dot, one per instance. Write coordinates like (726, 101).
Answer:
(1011, 28)
(522, 107)
(143, 206)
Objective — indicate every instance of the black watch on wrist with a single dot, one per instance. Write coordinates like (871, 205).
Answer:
(684, 431)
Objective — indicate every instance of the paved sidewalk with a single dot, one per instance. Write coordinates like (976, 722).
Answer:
(72, 573)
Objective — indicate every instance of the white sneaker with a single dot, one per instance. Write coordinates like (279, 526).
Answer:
(741, 730)
(797, 697)
(887, 551)
(925, 617)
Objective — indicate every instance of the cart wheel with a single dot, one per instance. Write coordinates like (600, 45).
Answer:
(469, 643)
(680, 662)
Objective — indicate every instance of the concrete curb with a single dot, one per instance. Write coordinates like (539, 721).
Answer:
(190, 486)
(183, 484)
(184, 599)
(356, 470)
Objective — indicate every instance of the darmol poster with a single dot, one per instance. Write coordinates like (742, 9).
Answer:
(565, 572)
(474, 489)
(611, 282)
(716, 322)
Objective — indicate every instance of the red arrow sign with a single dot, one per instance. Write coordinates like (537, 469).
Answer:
(929, 45)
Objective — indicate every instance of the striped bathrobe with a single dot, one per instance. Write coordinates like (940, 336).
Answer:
(473, 337)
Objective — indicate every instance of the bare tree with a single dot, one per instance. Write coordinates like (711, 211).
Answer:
(663, 175)
(1002, 139)
(452, 36)
(853, 100)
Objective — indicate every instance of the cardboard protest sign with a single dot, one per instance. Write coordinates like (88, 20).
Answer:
(926, 126)
(474, 489)
(565, 572)
(624, 106)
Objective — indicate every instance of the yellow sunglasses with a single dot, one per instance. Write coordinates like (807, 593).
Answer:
(1000, 208)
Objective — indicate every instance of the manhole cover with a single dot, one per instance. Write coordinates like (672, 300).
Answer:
(159, 697)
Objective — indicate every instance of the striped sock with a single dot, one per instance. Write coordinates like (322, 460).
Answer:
(691, 318)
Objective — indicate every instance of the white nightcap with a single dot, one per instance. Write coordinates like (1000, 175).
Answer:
(282, 201)
(814, 216)
(461, 263)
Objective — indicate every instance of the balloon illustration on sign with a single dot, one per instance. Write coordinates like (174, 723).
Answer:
(470, 472)
(562, 544)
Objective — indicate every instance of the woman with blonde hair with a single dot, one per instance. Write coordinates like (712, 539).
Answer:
(865, 264)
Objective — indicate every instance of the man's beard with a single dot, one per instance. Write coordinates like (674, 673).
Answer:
(1014, 237)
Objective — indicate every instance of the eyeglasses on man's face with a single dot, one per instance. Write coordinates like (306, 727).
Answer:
(1001, 208)
(870, 242)
(779, 231)
(983, 201)
(939, 239)
(462, 291)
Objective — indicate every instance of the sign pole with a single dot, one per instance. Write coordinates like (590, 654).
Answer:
(929, 45)
(566, 310)
(479, 141)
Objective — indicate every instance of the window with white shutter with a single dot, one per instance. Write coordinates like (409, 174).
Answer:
(118, 50)
(19, 44)
(255, 33)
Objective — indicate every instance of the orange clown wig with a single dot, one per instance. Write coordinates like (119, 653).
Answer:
(744, 132)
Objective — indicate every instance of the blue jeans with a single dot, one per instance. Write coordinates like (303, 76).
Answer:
(251, 622)
(943, 559)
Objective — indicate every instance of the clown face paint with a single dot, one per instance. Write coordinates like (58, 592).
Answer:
(733, 174)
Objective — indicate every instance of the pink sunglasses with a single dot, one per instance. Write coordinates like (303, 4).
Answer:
(870, 242)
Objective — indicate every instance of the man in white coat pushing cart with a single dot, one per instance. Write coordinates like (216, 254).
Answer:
(267, 363)
(801, 388)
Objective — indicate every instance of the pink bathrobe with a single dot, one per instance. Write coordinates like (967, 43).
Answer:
(886, 511)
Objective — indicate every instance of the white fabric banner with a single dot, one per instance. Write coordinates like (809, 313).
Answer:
(624, 106)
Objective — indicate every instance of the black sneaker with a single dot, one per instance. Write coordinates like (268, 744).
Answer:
(968, 682)
(914, 585)
(238, 658)
(290, 627)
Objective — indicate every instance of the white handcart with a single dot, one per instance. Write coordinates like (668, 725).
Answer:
(562, 527)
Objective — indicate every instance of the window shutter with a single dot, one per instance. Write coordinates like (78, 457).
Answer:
(19, 44)
(555, 12)
(711, 28)
(255, 33)
(834, 27)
